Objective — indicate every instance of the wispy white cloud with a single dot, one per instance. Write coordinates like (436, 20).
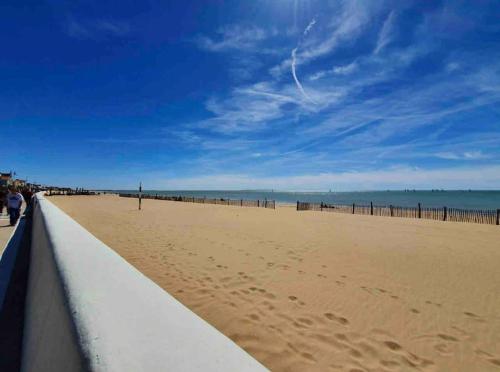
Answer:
(467, 155)
(367, 110)
(337, 70)
(347, 27)
(236, 37)
(484, 177)
(95, 28)
(386, 33)
(452, 66)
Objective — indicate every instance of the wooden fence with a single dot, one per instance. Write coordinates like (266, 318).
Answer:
(491, 216)
(71, 192)
(270, 204)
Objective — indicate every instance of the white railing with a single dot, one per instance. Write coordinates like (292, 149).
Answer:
(88, 309)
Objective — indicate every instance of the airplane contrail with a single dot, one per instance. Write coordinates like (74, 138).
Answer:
(294, 62)
(310, 26)
(294, 74)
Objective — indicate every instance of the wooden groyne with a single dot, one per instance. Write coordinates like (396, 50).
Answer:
(270, 204)
(488, 216)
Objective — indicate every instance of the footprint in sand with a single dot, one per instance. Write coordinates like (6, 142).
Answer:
(447, 337)
(306, 321)
(308, 357)
(389, 363)
(394, 346)
(474, 317)
(338, 319)
(495, 362)
(433, 303)
(355, 353)
(488, 357)
(443, 349)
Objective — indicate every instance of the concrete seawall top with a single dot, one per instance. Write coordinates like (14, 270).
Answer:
(89, 309)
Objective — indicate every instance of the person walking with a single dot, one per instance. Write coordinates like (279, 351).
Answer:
(14, 203)
(2, 199)
(27, 195)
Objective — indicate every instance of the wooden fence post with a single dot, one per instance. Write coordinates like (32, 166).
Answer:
(419, 211)
(321, 207)
(392, 213)
(297, 205)
(352, 208)
(258, 203)
(445, 213)
(371, 208)
(498, 216)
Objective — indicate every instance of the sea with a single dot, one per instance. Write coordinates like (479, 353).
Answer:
(465, 199)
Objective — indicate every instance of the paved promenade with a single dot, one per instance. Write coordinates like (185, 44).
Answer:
(5, 231)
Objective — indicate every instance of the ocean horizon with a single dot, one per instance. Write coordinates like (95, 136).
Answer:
(465, 199)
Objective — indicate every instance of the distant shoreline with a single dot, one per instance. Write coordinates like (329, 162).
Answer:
(474, 199)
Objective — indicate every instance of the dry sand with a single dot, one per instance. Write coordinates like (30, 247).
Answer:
(318, 291)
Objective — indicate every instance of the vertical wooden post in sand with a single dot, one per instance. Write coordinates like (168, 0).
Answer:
(298, 206)
(445, 213)
(371, 208)
(140, 195)
(352, 208)
(419, 211)
(498, 216)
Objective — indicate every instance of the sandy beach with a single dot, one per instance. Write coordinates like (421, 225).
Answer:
(318, 291)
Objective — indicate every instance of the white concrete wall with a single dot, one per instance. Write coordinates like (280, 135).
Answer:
(88, 309)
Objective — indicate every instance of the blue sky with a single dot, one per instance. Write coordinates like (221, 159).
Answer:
(282, 94)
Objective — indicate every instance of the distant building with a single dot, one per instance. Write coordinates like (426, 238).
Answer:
(6, 179)
(19, 183)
